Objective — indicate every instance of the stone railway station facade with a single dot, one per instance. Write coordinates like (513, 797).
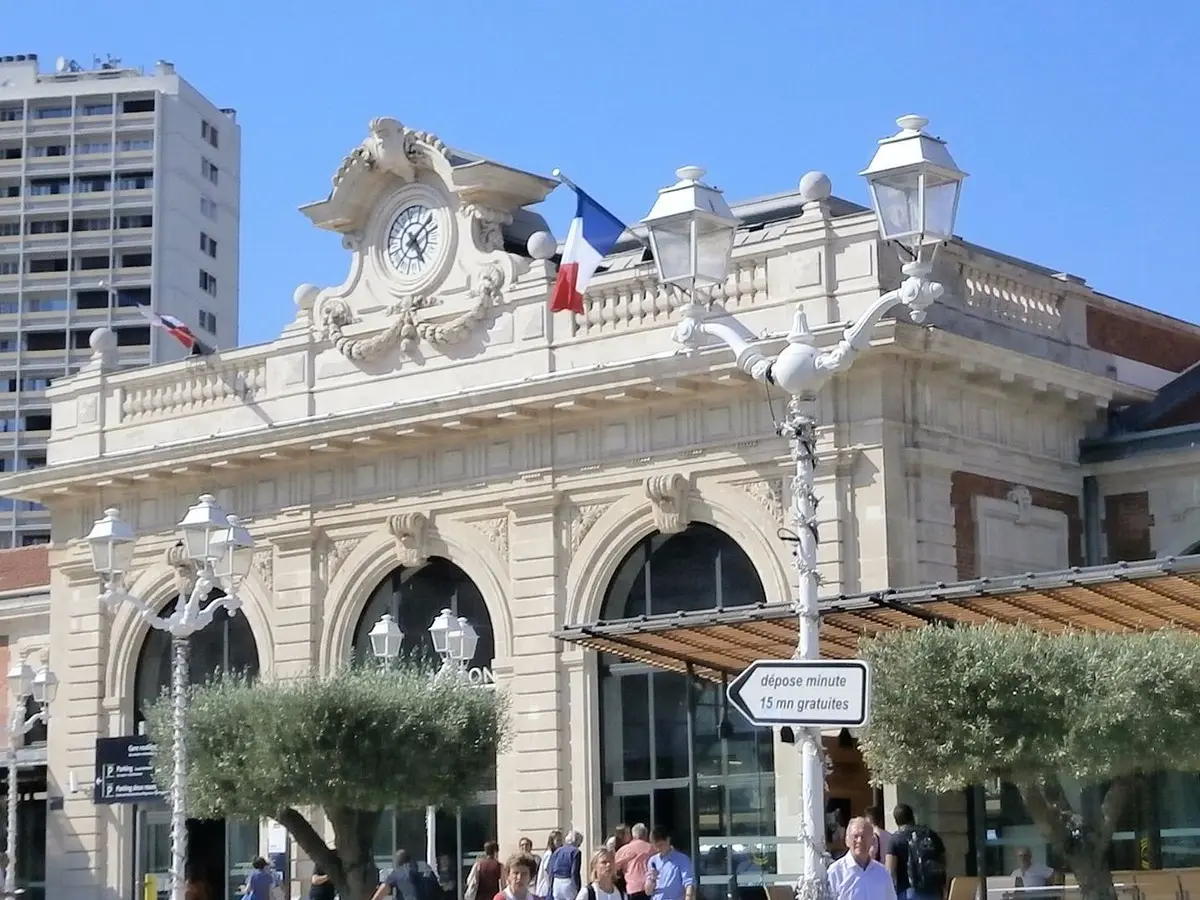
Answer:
(434, 438)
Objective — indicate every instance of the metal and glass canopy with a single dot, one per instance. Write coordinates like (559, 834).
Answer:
(718, 643)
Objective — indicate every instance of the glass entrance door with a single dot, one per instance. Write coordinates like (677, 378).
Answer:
(456, 839)
(220, 854)
(153, 852)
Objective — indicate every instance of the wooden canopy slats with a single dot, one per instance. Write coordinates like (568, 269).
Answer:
(719, 643)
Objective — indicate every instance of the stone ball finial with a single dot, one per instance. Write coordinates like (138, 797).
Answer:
(815, 186)
(304, 296)
(541, 245)
(103, 340)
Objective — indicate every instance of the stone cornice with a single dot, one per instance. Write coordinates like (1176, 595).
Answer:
(977, 360)
(561, 395)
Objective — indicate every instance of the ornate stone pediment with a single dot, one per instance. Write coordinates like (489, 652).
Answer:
(424, 225)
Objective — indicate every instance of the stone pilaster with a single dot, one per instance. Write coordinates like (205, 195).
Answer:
(537, 758)
(295, 600)
(927, 476)
(82, 839)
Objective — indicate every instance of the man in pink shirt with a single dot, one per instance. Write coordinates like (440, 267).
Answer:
(632, 861)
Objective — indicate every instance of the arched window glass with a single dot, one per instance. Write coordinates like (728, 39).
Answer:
(644, 731)
(219, 851)
(414, 597)
(226, 645)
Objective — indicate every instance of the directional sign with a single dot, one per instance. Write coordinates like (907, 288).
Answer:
(803, 692)
(125, 770)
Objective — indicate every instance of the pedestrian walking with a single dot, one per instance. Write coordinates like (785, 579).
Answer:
(856, 875)
(565, 868)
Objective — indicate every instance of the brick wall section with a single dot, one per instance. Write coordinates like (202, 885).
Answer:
(1127, 522)
(1168, 348)
(25, 567)
(965, 486)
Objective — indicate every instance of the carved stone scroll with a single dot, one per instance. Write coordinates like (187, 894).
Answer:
(668, 495)
(1023, 500)
(408, 528)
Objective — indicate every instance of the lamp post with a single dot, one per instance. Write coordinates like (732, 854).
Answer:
(222, 551)
(455, 640)
(23, 684)
(915, 187)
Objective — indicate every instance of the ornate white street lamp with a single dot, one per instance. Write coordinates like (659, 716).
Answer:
(454, 640)
(915, 188)
(691, 230)
(386, 638)
(222, 550)
(23, 685)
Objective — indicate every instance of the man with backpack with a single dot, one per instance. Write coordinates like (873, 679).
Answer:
(916, 858)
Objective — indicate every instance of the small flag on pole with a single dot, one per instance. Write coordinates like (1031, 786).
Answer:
(593, 234)
(175, 329)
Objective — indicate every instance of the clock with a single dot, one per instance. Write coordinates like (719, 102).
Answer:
(413, 240)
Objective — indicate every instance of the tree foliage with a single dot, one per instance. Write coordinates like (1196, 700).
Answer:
(355, 743)
(954, 707)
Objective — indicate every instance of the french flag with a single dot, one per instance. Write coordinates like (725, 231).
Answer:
(175, 329)
(593, 234)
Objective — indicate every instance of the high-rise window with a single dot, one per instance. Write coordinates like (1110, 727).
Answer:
(208, 283)
(209, 133)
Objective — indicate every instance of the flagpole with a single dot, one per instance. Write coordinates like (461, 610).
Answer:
(567, 182)
(563, 179)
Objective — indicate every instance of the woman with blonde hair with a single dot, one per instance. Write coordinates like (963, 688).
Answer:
(602, 883)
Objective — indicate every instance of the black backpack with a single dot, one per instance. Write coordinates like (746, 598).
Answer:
(591, 890)
(926, 861)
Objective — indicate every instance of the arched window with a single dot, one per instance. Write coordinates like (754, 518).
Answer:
(414, 596)
(654, 755)
(227, 645)
(218, 851)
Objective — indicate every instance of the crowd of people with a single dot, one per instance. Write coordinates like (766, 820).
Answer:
(637, 863)
(634, 864)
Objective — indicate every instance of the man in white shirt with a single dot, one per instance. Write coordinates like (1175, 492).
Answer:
(856, 876)
(1030, 874)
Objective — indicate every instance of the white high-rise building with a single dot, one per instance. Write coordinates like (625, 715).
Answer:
(118, 188)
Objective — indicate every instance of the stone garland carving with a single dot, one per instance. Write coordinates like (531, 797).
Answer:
(1020, 497)
(582, 520)
(409, 528)
(264, 564)
(407, 329)
(337, 552)
(668, 496)
(488, 224)
(496, 531)
(769, 494)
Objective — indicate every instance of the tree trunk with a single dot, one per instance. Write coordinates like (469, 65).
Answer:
(354, 836)
(1090, 867)
(351, 866)
(1082, 840)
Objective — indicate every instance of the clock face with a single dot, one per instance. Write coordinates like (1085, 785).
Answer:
(413, 240)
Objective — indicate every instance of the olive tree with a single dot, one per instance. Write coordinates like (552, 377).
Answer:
(355, 743)
(953, 707)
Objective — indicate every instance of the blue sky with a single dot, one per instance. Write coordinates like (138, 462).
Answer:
(1077, 119)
